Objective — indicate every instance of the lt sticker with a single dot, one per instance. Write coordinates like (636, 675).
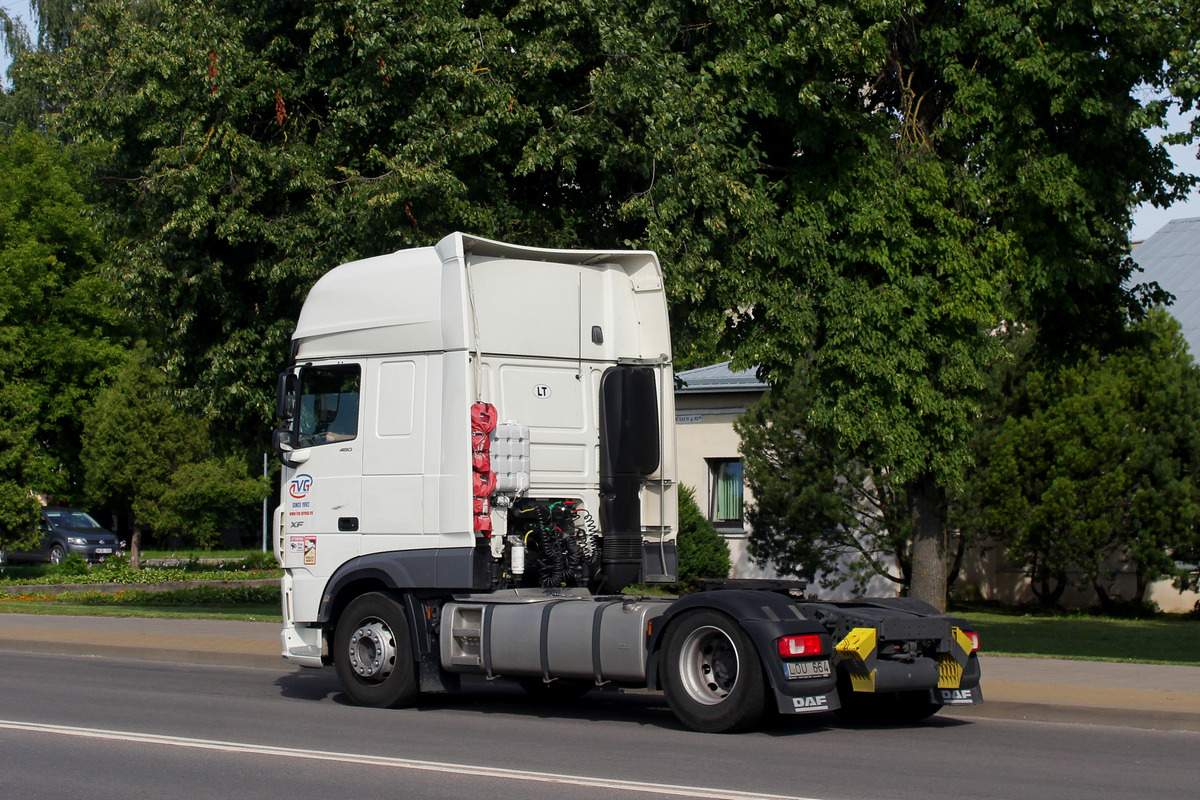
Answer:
(306, 545)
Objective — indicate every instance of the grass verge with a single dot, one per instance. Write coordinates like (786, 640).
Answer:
(1161, 640)
(252, 603)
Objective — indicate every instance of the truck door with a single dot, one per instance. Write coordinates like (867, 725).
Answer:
(322, 492)
(394, 438)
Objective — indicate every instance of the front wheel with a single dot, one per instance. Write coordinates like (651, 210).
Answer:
(58, 553)
(712, 676)
(372, 652)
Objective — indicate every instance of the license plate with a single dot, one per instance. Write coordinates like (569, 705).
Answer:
(103, 551)
(806, 669)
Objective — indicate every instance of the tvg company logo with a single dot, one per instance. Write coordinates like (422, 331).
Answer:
(300, 486)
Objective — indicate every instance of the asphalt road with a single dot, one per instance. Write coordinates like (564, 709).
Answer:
(74, 726)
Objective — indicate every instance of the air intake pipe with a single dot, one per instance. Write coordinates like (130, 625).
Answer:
(629, 451)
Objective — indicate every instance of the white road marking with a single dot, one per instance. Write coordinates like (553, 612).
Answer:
(395, 763)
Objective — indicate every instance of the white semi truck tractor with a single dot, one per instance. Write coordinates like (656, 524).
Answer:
(478, 443)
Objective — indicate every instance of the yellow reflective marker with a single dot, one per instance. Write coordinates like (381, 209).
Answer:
(858, 646)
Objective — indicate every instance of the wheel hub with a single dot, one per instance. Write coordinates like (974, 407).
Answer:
(708, 665)
(373, 650)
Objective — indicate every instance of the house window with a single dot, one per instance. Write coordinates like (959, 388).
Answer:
(726, 507)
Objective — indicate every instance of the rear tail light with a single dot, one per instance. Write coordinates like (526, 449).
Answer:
(802, 646)
(974, 637)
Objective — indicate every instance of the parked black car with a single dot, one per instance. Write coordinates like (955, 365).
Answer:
(71, 530)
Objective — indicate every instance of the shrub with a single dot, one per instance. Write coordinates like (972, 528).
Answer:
(703, 552)
(73, 564)
(259, 561)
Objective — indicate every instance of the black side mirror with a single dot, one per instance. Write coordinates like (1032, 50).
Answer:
(285, 398)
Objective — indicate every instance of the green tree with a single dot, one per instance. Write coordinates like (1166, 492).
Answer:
(147, 457)
(59, 337)
(255, 146)
(818, 512)
(205, 497)
(1099, 466)
(862, 191)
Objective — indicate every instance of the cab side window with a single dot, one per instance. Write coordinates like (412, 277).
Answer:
(328, 405)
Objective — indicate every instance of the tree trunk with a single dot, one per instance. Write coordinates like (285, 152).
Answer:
(960, 550)
(135, 547)
(928, 509)
(1106, 601)
(1048, 585)
(1141, 585)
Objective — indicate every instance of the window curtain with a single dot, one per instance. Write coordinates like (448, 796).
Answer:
(727, 493)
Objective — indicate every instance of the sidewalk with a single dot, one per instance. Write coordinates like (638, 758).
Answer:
(1141, 695)
(188, 641)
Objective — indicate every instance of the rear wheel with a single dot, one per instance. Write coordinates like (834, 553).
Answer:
(372, 652)
(712, 676)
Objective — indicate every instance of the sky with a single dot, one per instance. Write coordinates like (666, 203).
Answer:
(1146, 219)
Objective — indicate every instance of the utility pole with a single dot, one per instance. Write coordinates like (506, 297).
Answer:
(265, 498)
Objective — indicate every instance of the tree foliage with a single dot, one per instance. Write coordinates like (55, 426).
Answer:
(204, 498)
(860, 190)
(254, 147)
(865, 190)
(59, 337)
(146, 456)
(1098, 465)
(818, 512)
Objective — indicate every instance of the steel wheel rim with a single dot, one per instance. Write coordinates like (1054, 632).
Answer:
(708, 665)
(373, 650)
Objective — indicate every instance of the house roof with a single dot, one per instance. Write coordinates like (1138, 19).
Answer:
(718, 378)
(1171, 258)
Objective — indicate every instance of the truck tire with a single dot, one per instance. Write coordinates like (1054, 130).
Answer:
(372, 652)
(712, 677)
